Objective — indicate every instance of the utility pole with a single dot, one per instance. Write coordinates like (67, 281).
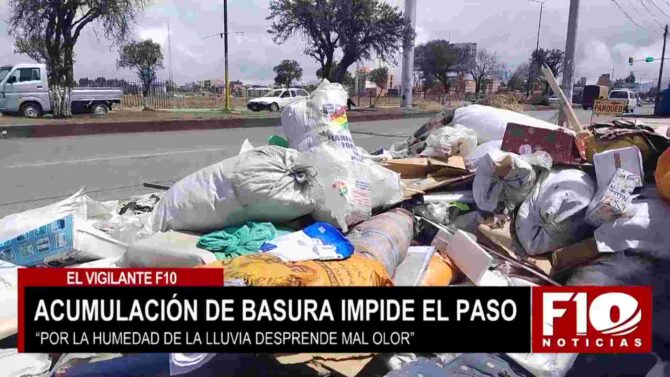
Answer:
(170, 56)
(660, 74)
(226, 106)
(537, 46)
(407, 85)
(569, 63)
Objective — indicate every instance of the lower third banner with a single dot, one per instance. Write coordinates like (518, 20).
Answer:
(254, 319)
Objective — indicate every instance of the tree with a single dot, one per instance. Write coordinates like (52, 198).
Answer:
(347, 80)
(553, 59)
(145, 58)
(380, 76)
(435, 59)
(353, 29)
(485, 67)
(630, 79)
(518, 79)
(47, 31)
(287, 71)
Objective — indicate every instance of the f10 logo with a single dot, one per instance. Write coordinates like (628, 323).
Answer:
(592, 319)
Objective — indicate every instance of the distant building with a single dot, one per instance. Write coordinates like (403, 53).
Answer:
(604, 80)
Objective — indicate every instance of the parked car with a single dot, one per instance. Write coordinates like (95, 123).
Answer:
(593, 93)
(277, 99)
(24, 89)
(626, 96)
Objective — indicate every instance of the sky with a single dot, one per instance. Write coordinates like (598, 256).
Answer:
(605, 39)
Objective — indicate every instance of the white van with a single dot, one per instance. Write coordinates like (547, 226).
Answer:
(626, 96)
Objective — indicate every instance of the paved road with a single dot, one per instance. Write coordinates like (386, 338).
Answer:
(37, 172)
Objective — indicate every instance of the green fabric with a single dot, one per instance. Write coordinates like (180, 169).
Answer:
(239, 240)
(278, 141)
(462, 206)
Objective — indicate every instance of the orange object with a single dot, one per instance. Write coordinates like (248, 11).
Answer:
(663, 174)
(268, 270)
(440, 272)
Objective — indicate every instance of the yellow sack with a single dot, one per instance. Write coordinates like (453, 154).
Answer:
(594, 146)
(440, 273)
(268, 270)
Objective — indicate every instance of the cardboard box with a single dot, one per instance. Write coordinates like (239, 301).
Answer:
(421, 167)
(560, 144)
(628, 159)
(611, 202)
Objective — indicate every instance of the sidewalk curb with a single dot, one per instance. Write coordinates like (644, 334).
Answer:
(80, 129)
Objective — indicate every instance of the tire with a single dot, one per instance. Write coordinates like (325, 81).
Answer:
(274, 107)
(585, 107)
(31, 110)
(99, 109)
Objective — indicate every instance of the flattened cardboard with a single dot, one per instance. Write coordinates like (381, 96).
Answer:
(420, 167)
(422, 185)
(347, 364)
(501, 240)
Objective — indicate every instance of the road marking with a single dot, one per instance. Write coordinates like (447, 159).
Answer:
(134, 156)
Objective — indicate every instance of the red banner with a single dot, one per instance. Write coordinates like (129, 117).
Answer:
(110, 277)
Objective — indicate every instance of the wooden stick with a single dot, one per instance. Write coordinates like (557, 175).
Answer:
(573, 122)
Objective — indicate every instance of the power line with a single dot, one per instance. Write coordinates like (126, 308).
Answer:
(637, 10)
(221, 34)
(659, 8)
(627, 15)
(651, 14)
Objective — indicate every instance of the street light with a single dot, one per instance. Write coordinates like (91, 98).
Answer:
(537, 46)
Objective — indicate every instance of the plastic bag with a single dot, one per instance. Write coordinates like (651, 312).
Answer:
(269, 270)
(645, 231)
(322, 118)
(482, 150)
(55, 235)
(503, 181)
(319, 241)
(385, 238)
(553, 215)
(490, 123)
(450, 141)
(264, 184)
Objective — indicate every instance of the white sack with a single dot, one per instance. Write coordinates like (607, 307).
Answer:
(56, 235)
(647, 230)
(482, 150)
(553, 215)
(502, 179)
(264, 184)
(490, 123)
(322, 118)
(450, 141)
(545, 364)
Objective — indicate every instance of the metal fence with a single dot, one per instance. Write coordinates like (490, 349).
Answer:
(164, 95)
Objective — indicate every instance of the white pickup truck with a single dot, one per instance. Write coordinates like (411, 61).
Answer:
(24, 90)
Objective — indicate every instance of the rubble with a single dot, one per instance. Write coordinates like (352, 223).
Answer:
(506, 207)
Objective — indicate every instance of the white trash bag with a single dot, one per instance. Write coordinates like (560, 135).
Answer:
(503, 181)
(553, 215)
(264, 184)
(482, 150)
(450, 141)
(490, 123)
(322, 118)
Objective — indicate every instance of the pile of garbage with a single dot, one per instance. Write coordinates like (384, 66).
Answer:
(477, 196)
(506, 101)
